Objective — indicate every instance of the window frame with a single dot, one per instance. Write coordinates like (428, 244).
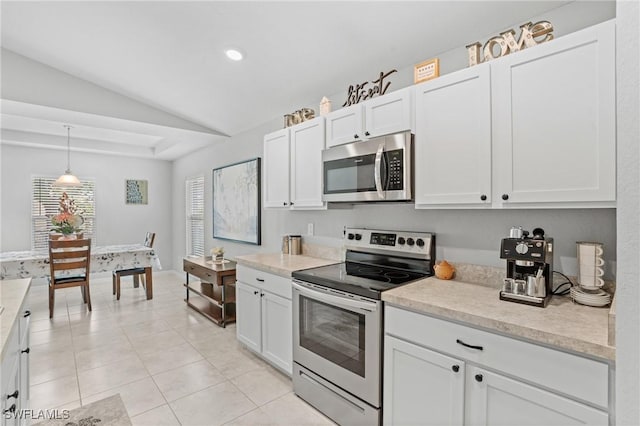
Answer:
(191, 248)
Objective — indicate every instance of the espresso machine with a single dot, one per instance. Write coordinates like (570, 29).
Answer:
(529, 267)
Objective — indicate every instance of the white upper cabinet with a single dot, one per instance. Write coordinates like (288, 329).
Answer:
(276, 169)
(293, 166)
(344, 125)
(307, 143)
(387, 114)
(378, 116)
(554, 121)
(453, 139)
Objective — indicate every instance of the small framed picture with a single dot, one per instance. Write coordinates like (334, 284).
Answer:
(426, 70)
(136, 191)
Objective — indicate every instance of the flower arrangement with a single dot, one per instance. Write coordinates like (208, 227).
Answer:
(68, 220)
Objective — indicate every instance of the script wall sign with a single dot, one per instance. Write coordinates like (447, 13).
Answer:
(360, 92)
(530, 35)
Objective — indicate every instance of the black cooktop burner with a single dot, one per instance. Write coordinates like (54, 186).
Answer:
(364, 280)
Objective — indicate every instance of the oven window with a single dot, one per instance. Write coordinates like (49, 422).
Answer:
(335, 334)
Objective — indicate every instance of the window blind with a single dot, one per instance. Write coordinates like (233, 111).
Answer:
(45, 205)
(195, 215)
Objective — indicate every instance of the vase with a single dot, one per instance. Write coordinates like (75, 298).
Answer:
(68, 237)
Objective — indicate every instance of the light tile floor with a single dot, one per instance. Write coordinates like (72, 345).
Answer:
(171, 365)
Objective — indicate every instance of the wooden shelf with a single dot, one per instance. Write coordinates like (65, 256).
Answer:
(205, 296)
(213, 292)
(211, 311)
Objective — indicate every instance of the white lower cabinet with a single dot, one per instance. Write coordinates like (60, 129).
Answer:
(421, 387)
(438, 372)
(264, 316)
(493, 399)
(15, 373)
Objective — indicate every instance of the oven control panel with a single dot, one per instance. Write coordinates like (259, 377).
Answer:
(406, 242)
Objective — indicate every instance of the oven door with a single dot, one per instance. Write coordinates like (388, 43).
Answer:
(339, 337)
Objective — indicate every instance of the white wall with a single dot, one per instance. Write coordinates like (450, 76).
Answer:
(628, 220)
(471, 236)
(117, 223)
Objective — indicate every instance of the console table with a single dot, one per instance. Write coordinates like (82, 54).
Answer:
(214, 295)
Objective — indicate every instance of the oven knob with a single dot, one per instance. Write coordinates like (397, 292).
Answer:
(420, 242)
(401, 240)
(358, 237)
(350, 236)
(410, 241)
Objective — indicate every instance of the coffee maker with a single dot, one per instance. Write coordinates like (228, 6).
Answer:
(529, 267)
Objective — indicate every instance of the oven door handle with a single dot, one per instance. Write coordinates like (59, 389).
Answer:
(335, 300)
(378, 171)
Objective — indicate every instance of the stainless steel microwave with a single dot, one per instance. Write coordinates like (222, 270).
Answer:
(379, 169)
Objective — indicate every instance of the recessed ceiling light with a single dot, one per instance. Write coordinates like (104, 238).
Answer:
(233, 54)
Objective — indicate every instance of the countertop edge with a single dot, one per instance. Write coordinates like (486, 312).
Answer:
(12, 309)
(573, 345)
(281, 264)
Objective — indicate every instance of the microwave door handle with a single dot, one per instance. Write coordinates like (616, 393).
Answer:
(378, 171)
(335, 300)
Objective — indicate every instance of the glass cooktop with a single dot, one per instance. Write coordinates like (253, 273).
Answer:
(361, 279)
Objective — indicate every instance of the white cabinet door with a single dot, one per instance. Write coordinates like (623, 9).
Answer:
(277, 331)
(554, 120)
(248, 317)
(387, 114)
(496, 400)
(307, 143)
(276, 169)
(344, 125)
(421, 387)
(453, 139)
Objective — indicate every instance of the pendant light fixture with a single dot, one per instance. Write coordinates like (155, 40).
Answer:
(68, 179)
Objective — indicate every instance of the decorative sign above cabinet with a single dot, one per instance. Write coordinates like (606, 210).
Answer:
(297, 117)
(360, 92)
(507, 43)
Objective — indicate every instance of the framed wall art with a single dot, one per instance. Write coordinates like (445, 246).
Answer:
(236, 202)
(136, 191)
(426, 70)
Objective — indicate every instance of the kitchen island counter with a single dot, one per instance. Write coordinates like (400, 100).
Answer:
(562, 324)
(282, 264)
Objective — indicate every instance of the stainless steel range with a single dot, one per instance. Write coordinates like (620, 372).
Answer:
(338, 321)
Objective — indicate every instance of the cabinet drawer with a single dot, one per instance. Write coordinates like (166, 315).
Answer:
(573, 375)
(264, 280)
(199, 271)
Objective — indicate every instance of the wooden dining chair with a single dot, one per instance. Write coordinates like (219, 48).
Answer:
(69, 263)
(137, 273)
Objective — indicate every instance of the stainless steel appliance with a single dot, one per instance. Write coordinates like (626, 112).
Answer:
(379, 169)
(529, 268)
(338, 321)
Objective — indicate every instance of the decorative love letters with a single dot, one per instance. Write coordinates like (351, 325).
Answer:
(360, 92)
(303, 114)
(530, 35)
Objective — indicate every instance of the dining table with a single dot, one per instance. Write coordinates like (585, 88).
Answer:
(35, 263)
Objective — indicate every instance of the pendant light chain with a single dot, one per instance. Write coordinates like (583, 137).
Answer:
(68, 148)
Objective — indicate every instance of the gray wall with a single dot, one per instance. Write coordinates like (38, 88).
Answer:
(471, 236)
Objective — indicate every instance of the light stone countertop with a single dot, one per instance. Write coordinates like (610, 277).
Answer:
(12, 297)
(563, 324)
(282, 264)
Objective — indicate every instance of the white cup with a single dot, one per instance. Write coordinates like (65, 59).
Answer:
(590, 282)
(591, 270)
(592, 261)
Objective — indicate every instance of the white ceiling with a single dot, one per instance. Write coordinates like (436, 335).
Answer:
(169, 55)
